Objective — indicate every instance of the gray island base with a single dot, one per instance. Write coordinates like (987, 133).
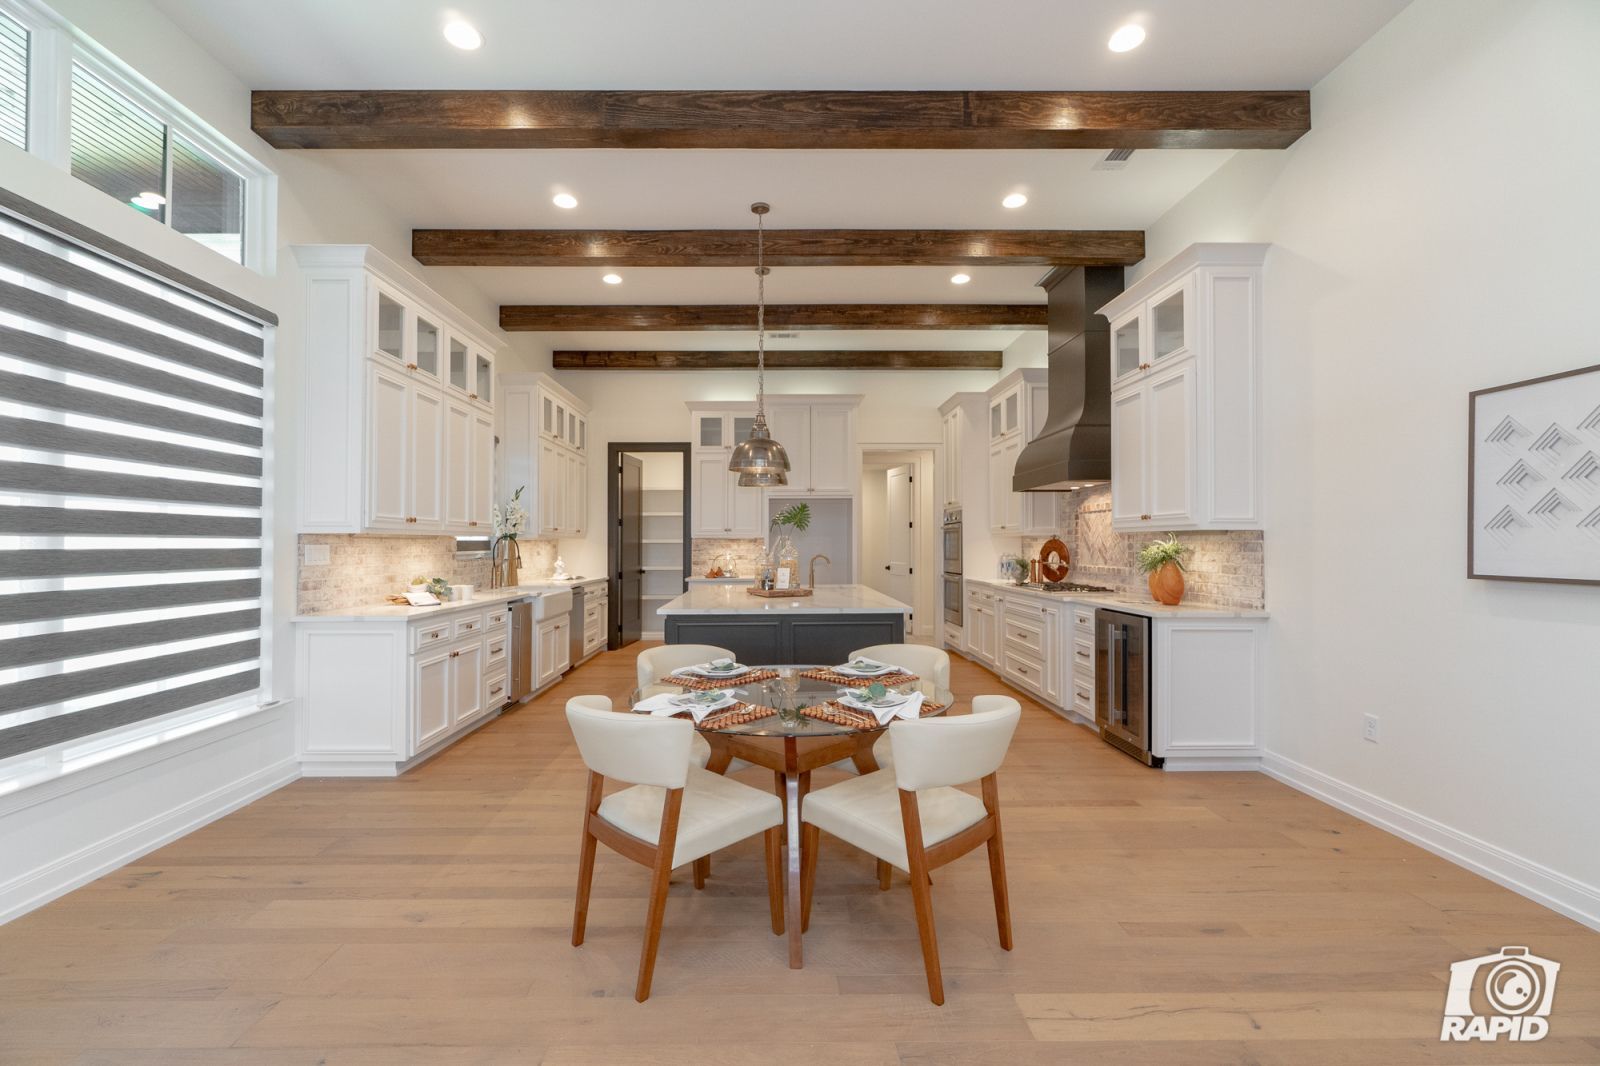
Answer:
(823, 628)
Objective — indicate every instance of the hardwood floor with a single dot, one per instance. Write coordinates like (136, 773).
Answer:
(1159, 918)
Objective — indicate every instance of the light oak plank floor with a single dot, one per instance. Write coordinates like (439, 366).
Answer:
(1160, 918)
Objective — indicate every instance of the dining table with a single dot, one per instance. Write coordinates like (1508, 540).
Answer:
(792, 741)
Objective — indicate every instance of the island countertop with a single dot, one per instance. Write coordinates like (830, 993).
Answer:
(827, 599)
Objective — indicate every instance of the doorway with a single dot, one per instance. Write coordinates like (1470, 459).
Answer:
(897, 530)
(647, 522)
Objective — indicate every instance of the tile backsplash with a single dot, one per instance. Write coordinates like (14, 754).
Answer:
(707, 552)
(363, 569)
(1226, 568)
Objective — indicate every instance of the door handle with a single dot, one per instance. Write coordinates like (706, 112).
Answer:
(886, 566)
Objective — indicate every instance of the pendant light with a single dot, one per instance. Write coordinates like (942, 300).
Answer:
(760, 461)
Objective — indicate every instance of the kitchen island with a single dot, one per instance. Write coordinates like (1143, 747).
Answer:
(824, 627)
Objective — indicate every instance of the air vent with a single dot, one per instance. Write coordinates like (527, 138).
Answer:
(1116, 159)
(783, 336)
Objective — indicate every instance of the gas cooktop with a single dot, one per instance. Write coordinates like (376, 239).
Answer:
(1066, 586)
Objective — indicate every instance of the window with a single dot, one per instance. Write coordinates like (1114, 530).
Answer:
(131, 493)
(122, 150)
(13, 81)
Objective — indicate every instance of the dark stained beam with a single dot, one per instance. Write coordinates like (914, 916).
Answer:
(554, 318)
(455, 118)
(781, 360)
(794, 247)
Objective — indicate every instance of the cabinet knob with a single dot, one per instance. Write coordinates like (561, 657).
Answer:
(411, 366)
(472, 396)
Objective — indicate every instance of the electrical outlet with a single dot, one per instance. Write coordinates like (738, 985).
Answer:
(1369, 727)
(315, 555)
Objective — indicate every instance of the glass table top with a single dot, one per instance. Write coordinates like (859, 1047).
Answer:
(788, 695)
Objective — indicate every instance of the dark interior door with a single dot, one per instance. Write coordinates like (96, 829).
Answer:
(630, 567)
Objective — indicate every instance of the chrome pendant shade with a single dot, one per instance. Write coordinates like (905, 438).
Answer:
(759, 460)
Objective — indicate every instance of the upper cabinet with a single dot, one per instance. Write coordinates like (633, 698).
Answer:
(718, 506)
(398, 391)
(1185, 393)
(546, 454)
(1018, 407)
(819, 439)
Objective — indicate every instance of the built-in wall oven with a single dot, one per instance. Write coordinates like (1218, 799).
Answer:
(1122, 682)
(953, 598)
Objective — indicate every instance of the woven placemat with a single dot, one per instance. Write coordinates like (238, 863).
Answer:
(887, 680)
(838, 715)
(739, 714)
(706, 684)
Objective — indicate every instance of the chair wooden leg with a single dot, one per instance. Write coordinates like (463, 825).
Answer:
(780, 785)
(580, 909)
(922, 895)
(775, 877)
(702, 867)
(885, 872)
(997, 863)
(660, 877)
(810, 845)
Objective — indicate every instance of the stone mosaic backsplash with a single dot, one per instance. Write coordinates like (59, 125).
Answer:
(1226, 568)
(363, 569)
(707, 552)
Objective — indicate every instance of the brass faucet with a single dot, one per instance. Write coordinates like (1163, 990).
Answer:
(811, 569)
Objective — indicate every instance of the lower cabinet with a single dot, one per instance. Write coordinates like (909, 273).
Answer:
(1206, 692)
(596, 617)
(375, 694)
(553, 650)
(982, 625)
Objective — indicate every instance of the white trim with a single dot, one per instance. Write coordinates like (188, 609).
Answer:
(1562, 894)
(36, 887)
(406, 285)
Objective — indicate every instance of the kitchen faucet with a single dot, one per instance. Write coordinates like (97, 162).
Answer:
(811, 569)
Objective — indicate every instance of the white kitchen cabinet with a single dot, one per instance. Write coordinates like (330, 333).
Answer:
(720, 506)
(466, 682)
(378, 414)
(790, 426)
(982, 623)
(431, 687)
(1186, 395)
(1017, 410)
(459, 463)
(544, 453)
(480, 514)
(950, 438)
(819, 439)
(1206, 692)
(596, 618)
(553, 650)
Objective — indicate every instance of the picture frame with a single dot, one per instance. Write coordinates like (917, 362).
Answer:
(1533, 480)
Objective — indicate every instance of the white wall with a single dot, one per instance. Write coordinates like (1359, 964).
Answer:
(874, 511)
(661, 470)
(94, 821)
(1433, 234)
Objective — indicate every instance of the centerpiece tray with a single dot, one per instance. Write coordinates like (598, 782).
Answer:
(772, 593)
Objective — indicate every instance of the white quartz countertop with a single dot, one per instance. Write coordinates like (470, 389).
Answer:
(827, 599)
(1123, 602)
(483, 599)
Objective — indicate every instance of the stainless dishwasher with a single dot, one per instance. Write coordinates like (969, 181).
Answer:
(521, 650)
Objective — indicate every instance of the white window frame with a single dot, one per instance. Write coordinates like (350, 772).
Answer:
(55, 45)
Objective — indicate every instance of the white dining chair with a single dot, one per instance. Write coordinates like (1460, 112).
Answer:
(913, 818)
(672, 815)
(655, 663)
(932, 667)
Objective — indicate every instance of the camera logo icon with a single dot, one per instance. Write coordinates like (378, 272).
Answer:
(1507, 994)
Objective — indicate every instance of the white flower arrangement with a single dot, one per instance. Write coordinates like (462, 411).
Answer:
(510, 518)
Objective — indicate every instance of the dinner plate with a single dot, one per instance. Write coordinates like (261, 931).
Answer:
(850, 669)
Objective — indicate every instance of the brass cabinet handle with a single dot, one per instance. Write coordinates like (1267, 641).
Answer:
(411, 366)
(472, 396)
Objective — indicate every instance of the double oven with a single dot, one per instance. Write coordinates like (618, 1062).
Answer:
(954, 601)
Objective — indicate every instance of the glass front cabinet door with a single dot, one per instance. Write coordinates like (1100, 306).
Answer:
(1169, 322)
(390, 341)
(460, 366)
(426, 360)
(1127, 349)
(482, 378)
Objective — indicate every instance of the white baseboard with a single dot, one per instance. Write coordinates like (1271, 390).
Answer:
(37, 887)
(1213, 764)
(1560, 893)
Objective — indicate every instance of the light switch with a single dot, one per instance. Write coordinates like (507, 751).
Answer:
(314, 555)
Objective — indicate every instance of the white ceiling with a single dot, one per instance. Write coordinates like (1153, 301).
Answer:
(815, 44)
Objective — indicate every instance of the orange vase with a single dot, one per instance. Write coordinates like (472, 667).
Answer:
(1166, 584)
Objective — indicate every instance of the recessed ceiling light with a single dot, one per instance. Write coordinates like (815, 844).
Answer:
(1016, 199)
(463, 34)
(960, 279)
(612, 279)
(1127, 38)
(564, 199)
(148, 200)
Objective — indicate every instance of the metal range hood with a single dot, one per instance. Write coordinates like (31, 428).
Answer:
(1073, 449)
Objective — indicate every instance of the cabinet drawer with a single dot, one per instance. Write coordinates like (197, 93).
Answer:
(497, 619)
(1083, 697)
(498, 642)
(1024, 672)
(466, 627)
(1083, 621)
(495, 690)
(1024, 633)
(1083, 657)
(427, 636)
(1022, 608)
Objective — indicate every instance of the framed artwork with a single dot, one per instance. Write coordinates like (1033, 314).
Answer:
(1533, 480)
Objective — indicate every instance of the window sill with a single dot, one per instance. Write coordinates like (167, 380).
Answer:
(37, 776)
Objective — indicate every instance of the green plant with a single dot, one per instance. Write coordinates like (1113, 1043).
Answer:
(1159, 553)
(797, 517)
(1016, 566)
(876, 691)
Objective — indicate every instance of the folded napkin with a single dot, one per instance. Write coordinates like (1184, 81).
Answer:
(714, 668)
(864, 668)
(670, 703)
(911, 709)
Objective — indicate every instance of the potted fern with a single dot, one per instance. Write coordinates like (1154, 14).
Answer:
(1162, 560)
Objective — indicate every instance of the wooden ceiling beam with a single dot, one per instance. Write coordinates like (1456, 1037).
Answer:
(786, 359)
(794, 247)
(460, 118)
(568, 318)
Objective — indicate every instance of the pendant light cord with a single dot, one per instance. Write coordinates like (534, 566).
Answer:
(761, 318)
